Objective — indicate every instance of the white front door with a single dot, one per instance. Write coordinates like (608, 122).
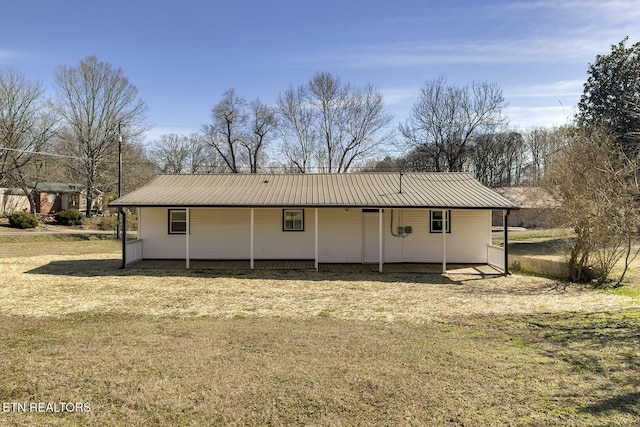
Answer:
(370, 237)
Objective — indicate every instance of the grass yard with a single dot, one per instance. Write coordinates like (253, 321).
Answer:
(171, 347)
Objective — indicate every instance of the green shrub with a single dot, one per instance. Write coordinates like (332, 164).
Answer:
(69, 217)
(23, 220)
(107, 223)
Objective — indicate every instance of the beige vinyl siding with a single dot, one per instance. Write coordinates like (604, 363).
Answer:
(157, 243)
(467, 241)
(411, 248)
(340, 235)
(224, 233)
(271, 242)
(470, 235)
(219, 233)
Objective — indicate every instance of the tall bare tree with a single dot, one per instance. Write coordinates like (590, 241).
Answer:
(262, 125)
(541, 146)
(96, 100)
(27, 127)
(182, 154)
(447, 118)
(498, 159)
(225, 133)
(299, 139)
(330, 126)
(239, 131)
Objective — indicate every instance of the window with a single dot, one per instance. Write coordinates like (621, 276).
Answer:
(436, 222)
(293, 220)
(177, 221)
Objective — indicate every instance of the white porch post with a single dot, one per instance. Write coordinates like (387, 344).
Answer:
(187, 255)
(251, 262)
(505, 225)
(380, 235)
(444, 240)
(316, 237)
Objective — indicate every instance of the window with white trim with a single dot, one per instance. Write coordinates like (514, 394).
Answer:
(436, 220)
(177, 221)
(293, 220)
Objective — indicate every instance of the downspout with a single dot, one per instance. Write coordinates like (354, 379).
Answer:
(505, 226)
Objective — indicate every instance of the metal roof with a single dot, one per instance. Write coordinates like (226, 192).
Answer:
(419, 190)
(56, 187)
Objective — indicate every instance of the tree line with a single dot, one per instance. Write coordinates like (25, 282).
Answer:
(325, 125)
(328, 126)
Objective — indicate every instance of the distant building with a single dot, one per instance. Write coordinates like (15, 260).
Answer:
(51, 197)
(13, 200)
(536, 207)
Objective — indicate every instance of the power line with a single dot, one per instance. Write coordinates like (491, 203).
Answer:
(39, 152)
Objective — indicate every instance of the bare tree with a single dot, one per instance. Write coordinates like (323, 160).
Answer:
(446, 119)
(596, 187)
(240, 131)
(27, 127)
(299, 140)
(96, 100)
(226, 131)
(541, 145)
(181, 154)
(261, 130)
(498, 159)
(329, 125)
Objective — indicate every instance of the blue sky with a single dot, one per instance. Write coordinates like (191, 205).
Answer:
(183, 55)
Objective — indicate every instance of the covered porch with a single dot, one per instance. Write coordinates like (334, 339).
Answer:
(433, 268)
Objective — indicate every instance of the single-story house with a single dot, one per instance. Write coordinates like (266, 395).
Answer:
(51, 197)
(328, 218)
(537, 207)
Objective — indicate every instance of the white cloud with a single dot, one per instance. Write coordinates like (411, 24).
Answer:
(546, 116)
(9, 54)
(397, 96)
(154, 133)
(559, 89)
(548, 31)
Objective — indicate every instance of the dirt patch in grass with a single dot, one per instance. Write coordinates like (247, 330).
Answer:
(476, 370)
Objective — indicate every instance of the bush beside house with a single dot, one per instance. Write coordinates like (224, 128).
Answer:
(23, 220)
(69, 217)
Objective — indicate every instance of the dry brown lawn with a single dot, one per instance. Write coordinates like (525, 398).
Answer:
(54, 286)
(176, 347)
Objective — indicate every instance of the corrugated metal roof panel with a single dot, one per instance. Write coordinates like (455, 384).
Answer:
(419, 189)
